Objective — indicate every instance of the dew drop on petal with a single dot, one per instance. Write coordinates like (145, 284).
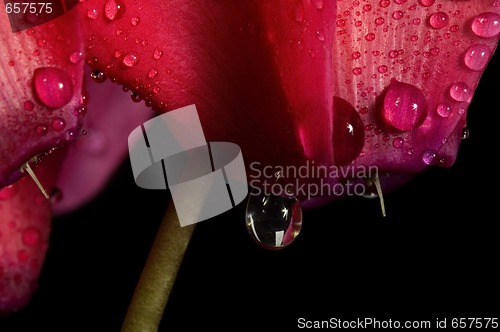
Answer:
(52, 86)
(370, 36)
(58, 124)
(135, 21)
(444, 110)
(379, 21)
(157, 54)
(41, 130)
(98, 76)
(348, 132)
(130, 60)
(477, 56)
(426, 3)
(397, 15)
(273, 221)
(439, 20)
(31, 236)
(384, 3)
(460, 91)
(357, 71)
(486, 25)
(114, 9)
(404, 106)
(153, 73)
(92, 14)
(76, 57)
(465, 133)
(382, 69)
(429, 156)
(398, 142)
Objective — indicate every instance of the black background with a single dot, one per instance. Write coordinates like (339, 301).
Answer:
(435, 255)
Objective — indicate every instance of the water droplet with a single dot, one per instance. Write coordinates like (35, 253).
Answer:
(318, 4)
(7, 192)
(444, 110)
(31, 236)
(153, 73)
(398, 142)
(367, 7)
(273, 221)
(92, 13)
(136, 98)
(382, 69)
(157, 54)
(397, 15)
(404, 107)
(130, 60)
(135, 21)
(426, 3)
(379, 21)
(465, 133)
(28, 105)
(460, 91)
(477, 56)
(41, 130)
(370, 36)
(340, 23)
(70, 135)
(320, 35)
(486, 25)
(429, 156)
(42, 42)
(348, 132)
(439, 20)
(114, 9)
(52, 86)
(400, 2)
(76, 57)
(58, 124)
(384, 3)
(454, 28)
(98, 76)
(357, 71)
(393, 54)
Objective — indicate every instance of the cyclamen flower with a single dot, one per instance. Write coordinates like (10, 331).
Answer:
(358, 83)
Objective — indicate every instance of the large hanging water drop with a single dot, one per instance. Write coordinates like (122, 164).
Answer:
(273, 220)
(52, 86)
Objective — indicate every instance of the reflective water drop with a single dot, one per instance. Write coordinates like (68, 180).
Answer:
(58, 124)
(486, 25)
(404, 107)
(130, 60)
(76, 57)
(136, 98)
(153, 73)
(429, 156)
(114, 9)
(384, 3)
(41, 130)
(477, 56)
(379, 21)
(397, 15)
(92, 13)
(52, 86)
(135, 21)
(370, 36)
(426, 3)
(439, 20)
(465, 133)
(398, 142)
(31, 236)
(357, 71)
(157, 54)
(460, 91)
(348, 132)
(98, 76)
(382, 69)
(320, 35)
(274, 222)
(318, 4)
(28, 105)
(444, 110)
(400, 2)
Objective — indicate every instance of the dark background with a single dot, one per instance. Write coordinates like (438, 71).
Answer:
(435, 255)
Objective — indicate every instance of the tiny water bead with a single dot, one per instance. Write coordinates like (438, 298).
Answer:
(273, 221)
(318, 4)
(397, 15)
(426, 3)
(370, 36)
(52, 86)
(404, 107)
(444, 110)
(130, 60)
(460, 91)
(429, 156)
(153, 73)
(58, 124)
(486, 25)
(98, 76)
(41, 130)
(92, 13)
(382, 69)
(135, 21)
(477, 56)
(348, 132)
(439, 20)
(76, 57)
(398, 142)
(157, 54)
(465, 133)
(357, 71)
(114, 9)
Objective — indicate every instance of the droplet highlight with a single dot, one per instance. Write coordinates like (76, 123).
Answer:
(477, 56)
(114, 9)
(348, 132)
(439, 20)
(460, 91)
(486, 25)
(52, 86)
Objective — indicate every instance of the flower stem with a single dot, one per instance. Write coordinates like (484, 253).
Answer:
(157, 279)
